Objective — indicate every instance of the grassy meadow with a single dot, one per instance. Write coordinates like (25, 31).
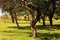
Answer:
(9, 30)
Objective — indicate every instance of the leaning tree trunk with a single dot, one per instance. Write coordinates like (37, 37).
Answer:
(33, 22)
(12, 16)
(51, 23)
(33, 27)
(16, 20)
(53, 4)
(28, 17)
(51, 14)
(50, 17)
(43, 18)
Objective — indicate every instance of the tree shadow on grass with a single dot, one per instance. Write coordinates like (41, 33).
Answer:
(38, 27)
(57, 26)
(46, 36)
(42, 36)
(23, 28)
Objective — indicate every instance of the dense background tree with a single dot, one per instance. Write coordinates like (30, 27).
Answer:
(45, 7)
(13, 6)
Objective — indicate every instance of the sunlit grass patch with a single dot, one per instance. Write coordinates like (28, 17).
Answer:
(10, 31)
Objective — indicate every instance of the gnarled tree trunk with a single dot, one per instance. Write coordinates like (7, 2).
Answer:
(33, 27)
(34, 21)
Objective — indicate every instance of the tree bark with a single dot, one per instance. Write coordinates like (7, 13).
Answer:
(33, 22)
(43, 21)
(16, 20)
(51, 22)
(43, 18)
(33, 28)
(12, 17)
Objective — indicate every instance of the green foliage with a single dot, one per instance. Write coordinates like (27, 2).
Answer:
(11, 4)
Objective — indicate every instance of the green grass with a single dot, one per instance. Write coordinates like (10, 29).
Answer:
(9, 31)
